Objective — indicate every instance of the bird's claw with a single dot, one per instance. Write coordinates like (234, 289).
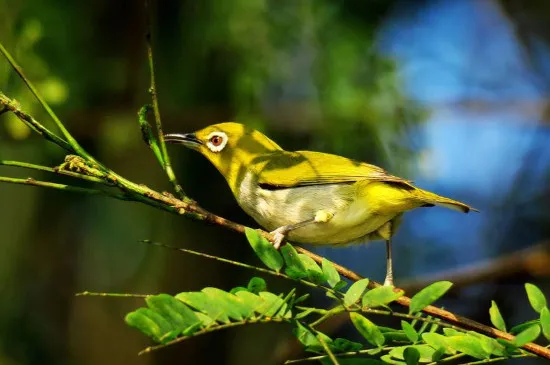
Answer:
(277, 237)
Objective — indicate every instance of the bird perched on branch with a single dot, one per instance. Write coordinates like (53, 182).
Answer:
(310, 197)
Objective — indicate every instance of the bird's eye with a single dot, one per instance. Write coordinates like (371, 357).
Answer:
(216, 141)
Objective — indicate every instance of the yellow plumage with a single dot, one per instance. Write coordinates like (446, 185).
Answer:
(309, 197)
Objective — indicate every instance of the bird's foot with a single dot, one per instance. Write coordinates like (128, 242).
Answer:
(278, 236)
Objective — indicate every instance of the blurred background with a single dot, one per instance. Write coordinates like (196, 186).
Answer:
(451, 94)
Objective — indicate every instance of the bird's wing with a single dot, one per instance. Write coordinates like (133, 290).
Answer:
(284, 169)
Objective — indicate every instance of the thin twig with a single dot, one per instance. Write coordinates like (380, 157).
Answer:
(167, 166)
(342, 354)
(216, 328)
(116, 295)
(74, 189)
(70, 139)
(51, 169)
(241, 264)
(12, 106)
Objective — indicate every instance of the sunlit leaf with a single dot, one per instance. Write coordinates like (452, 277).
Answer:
(428, 295)
(201, 302)
(367, 329)
(528, 335)
(523, 326)
(380, 297)
(294, 266)
(496, 317)
(235, 307)
(332, 276)
(355, 291)
(315, 274)
(410, 332)
(536, 297)
(264, 249)
(468, 345)
(437, 341)
(545, 322)
(173, 310)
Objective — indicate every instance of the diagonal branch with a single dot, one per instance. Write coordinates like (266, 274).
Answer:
(13, 106)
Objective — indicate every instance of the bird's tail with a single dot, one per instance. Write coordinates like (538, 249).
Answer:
(431, 199)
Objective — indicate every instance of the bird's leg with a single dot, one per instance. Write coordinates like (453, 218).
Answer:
(389, 266)
(321, 216)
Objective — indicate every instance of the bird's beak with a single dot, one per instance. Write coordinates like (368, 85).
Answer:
(188, 139)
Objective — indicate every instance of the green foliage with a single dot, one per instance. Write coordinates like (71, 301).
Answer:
(170, 318)
(428, 295)
(265, 250)
(496, 317)
(536, 297)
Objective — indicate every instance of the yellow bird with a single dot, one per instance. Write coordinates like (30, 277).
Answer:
(310, 197)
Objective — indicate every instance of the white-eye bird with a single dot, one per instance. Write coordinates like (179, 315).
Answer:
(310, 197)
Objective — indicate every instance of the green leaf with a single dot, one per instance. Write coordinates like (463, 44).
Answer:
(410, 332)
(250, 299)
(294, 266)
(536, 297)
(468, 345)
(309, 338)
(201, 302)
(489, 345)
(340, 285)
(271, 305)
(235, 307)
(523, 326)
(545, 322)
(380, 297)
(496, 317)
(205, 319)
(424, 353)
(452, 332)
(389, 360)
(314, 272)
(367, 329)
(264, 249)
(141, 320)
(344, 345)
(332, 276)
(256, 285)
(428, 295)
(437, 341)
(412, 356)
(173, 310)
(355, 291)
(237, 289)
(528, 335)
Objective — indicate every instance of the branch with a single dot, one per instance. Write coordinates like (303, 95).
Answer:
(13, 106)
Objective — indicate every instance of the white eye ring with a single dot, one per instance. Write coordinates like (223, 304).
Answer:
(213, 144)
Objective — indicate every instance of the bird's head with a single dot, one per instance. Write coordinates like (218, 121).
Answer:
(230, 147)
